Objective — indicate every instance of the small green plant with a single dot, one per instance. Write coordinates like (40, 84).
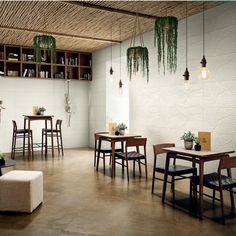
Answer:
(197, 140)
(41, 109)
(188, 136)
(121, 126)
(2, 155)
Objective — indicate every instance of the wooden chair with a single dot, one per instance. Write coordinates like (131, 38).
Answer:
(57, 133)
(219, 182)
(135, 156)
(20, 134)
(105, 152)
(179, 171)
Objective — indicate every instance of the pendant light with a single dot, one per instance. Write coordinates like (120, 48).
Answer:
(111, 69)
(120, 82)
(204, 72)
(186, 73)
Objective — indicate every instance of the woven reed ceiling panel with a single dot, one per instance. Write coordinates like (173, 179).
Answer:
(20, 21)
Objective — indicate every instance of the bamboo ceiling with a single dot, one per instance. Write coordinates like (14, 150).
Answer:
(70, 23)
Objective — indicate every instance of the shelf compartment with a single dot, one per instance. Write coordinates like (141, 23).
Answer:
(85, 59)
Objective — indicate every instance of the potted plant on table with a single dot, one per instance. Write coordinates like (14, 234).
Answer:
(188, 138)
(2, 160)
(121, 128)
(197, 145)
(40, 111)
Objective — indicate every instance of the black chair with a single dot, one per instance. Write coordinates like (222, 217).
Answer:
(20, 134)
(179, 171)
(131, 155)
(104, 152)
(219, 182)
(57, 133)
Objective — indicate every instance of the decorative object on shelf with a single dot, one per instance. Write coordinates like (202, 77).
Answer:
(68, 102)
(47, 44)
(1, 108)
(137, 56)
(186, 73)
(40, 111)
(111, 69)
(165, 39)
(204, 72)
(188, 138)
(2, 160)
(121, 128)
(197, 145)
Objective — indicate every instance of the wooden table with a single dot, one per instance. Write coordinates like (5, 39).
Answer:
(199, 157)
(8, 163)
(113, 139)
(46, 118)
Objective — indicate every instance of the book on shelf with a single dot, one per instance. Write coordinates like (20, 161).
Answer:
(25, 73)
(12, 59)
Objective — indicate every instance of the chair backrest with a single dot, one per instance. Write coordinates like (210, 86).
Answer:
(58, 124)
(227, 162)
(14, 125)
(136, 142)
(158, 148)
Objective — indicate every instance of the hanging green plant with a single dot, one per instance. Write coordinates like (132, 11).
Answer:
(46, 43)
(165, 39)
(137, 56)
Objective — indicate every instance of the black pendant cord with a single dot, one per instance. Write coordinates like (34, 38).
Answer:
(203, 25)
(120, 83)
(111, 46)
(186, 34)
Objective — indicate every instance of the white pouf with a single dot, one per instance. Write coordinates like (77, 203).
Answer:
(21, 190)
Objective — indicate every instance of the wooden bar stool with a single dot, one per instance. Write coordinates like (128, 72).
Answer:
(53, 133)
(20, 134)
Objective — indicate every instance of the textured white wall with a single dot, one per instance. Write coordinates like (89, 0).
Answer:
(162, 109)
(20, 95)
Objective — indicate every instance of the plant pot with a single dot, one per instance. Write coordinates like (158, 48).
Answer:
(188, 145)
(122, 131)
(197, 147)
(2, 162)
(117, 133)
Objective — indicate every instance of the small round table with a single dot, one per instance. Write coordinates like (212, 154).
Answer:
(8, 163)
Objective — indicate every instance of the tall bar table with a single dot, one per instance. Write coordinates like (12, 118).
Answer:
(46, 118)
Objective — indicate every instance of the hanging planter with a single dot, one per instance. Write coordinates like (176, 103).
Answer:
(165, 39)
(137, 56)
(46, 43)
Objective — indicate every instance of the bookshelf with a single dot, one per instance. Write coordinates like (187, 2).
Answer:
(19, 61)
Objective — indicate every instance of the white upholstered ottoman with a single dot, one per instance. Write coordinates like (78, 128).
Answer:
(21, 190)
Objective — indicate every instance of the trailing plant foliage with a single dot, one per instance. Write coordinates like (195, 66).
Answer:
(137, 56)
(138, 60)
(165, 39)
(44, 42)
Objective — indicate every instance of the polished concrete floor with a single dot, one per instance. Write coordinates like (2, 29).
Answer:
(80, 201)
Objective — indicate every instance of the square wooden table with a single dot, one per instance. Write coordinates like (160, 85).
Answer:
(113, 139)
(198, 157)
(46, 118)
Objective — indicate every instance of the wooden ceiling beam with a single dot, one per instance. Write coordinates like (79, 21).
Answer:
(58, 34)
(110, 9)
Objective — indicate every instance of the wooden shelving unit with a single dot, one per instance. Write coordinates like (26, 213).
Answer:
(19, 61)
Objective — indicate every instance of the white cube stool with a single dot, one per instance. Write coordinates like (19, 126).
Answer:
(21, 190)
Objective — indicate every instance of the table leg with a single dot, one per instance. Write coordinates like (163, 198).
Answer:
(24, 138)
(165, 177)
(113, 170)
(29, 150)
(52, 137)
(201, 171)
(0, 171)
(46, 138)
(98, 152)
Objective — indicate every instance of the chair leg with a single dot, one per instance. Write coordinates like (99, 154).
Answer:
(97, 162)
(153, 179)
(123, 166)
(58, 144)
(42, 143)
(127, 167)
(139, 166)
(32, 143)
(173, 188)
(134, 168)
(214, 199)
(222, 204)
(104, 162)
(62, 148)
(146, 168)
(13, 147)
(24, 145)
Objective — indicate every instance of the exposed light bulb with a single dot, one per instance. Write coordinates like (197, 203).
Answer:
(204, 73)
(186, 79)
(120, 87)
(186, 84)
(111, 74)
